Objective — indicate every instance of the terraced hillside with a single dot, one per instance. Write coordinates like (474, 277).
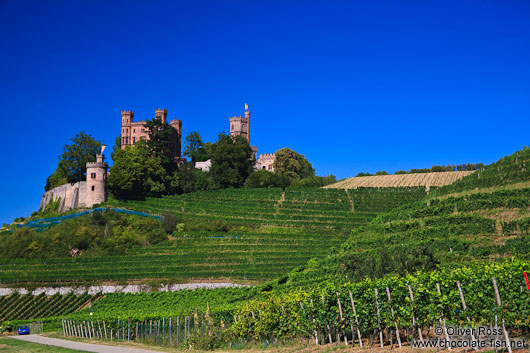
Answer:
(25, 307)
(311, 208)
(474, 219)
(512, 171)
(401, 180)
(262, 234)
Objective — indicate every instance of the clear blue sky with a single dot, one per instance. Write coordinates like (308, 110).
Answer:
(353, 85)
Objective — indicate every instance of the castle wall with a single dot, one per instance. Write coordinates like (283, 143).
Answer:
(266, 161)
(72, 195)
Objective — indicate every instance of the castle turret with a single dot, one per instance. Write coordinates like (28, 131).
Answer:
(96, 181)
(127, 117)
(246, 127)
(161, 113)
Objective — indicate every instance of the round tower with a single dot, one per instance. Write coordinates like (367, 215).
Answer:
(96, 181)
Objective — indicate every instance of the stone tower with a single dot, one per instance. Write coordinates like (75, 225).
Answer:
(96, 181)
(240, 126)
(127, 117)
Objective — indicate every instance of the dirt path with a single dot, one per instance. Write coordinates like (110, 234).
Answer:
(88, 347)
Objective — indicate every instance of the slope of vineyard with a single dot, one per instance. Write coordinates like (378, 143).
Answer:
(401, 180)
(262, 234)
(472, 225)
(508, 170)
(25, 307)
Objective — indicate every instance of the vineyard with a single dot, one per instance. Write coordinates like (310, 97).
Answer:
(448, 231)
(270, 233)
(507, 170)
(311, 208)
(389, 311)
(24, 307)
(401, 180)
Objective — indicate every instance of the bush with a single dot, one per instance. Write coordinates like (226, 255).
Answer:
(265, 179)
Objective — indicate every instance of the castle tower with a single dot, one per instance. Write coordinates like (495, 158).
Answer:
(240, 126)
(161, 113)
(176, 138)
(96, 181)
(127, 117)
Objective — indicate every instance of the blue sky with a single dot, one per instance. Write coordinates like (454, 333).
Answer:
(353, 85)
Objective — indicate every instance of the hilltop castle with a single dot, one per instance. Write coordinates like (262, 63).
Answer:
(83, 193)
(240, 126)
(132, 132)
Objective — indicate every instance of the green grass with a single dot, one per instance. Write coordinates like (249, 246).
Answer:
(11, 345)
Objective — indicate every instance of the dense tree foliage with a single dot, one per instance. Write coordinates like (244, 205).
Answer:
(73, 160)
(265, 179)
(195, 148)
(159, 142)
(292, 165)
(444, 168)
(100, 233)
(58, 178)
(314, 181)
(231, 161)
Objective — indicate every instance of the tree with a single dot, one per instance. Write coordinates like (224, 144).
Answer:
(137, 174)
(231, 161)
(127, 176)
(292, 165)
(73, 160)
(195, 148)
(159, 142)
(265, 179)
(58, 178)
(381, 172)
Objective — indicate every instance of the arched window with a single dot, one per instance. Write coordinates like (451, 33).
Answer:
(92, 187)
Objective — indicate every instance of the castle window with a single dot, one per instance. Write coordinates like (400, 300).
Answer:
(143, 130)
(92, 187)
(127, 130)
(134, 139)
(134, 130)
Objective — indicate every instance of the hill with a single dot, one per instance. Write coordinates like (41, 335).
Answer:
(484, 216)
(233, 234)
(401, 180)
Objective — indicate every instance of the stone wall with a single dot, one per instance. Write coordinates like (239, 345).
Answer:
(72, 195)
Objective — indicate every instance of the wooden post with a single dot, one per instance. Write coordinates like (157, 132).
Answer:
(341, 319)
(329, 329)
(378, 319)
(411, 296)
(498, 298)
(170, 331)
(93, 333)
(465, 308)
(393, 317)
(105, 329)
(314, 324)
(178, 328)
(443, 318)
(356, 321)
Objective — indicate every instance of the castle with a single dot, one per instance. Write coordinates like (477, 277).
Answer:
(240, 126)
(132, 132)
(83, 193)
